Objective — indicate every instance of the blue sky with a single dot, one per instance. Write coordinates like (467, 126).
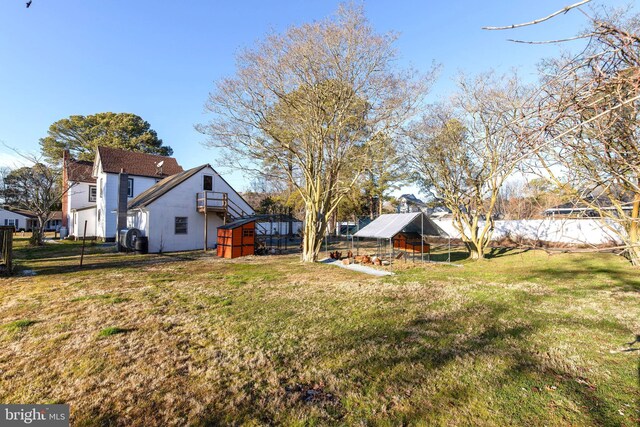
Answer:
(159, 58)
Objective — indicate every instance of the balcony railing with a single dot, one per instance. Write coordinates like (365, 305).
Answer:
(212, 201)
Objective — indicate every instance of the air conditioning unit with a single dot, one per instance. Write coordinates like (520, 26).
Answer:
(127, 238)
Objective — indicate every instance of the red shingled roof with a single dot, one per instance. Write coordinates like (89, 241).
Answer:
(80, 171)
(115, 160)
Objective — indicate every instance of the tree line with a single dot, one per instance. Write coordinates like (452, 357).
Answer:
(323, 109)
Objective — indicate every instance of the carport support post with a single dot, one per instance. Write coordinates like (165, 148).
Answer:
(392, 251)
(206, 221)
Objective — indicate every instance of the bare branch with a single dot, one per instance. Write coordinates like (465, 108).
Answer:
(537, 21)
(550, 41)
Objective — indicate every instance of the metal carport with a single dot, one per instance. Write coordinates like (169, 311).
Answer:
(387, 226)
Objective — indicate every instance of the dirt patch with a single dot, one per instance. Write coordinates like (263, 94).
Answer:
(312, 394)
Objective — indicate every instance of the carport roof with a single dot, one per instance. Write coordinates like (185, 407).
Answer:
(388, 225)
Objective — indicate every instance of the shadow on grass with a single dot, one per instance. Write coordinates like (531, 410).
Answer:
(594, 277)
(422, 349)
(580, 272)
(93, 262)
(438, 366)
(460, 254)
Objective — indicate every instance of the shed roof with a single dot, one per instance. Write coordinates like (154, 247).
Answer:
(237, 223)
(388, 225)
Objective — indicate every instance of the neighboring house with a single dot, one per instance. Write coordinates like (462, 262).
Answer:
(14, 217)
(172, 212)
(440, 213)
(579, 209)
(408, 203)
(24, 220)
(54, 223)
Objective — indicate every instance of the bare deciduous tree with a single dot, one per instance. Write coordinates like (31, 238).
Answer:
(309, 100)
(590, 116)
(36, 189)
(464, 150)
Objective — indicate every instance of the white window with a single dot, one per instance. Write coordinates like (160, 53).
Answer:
(130, 187)
(92, 193)
(181, 225)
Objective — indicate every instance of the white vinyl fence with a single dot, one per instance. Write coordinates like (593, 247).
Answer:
(568, 231)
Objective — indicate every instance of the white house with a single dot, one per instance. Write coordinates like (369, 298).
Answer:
(143, 170)
(93, 188)
(171, 213)
(79, 200)
(13, 217)
(408, 203)
(24, 220)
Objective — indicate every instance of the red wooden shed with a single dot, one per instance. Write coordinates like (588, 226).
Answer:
(411, 242)
(237, 238)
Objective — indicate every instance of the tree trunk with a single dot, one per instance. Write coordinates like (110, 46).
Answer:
(477, 250)
(314, 229)
(372, 208)
(633, 252)
(478, 243)
(37, 233)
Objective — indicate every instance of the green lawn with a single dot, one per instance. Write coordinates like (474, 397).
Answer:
(521, 339)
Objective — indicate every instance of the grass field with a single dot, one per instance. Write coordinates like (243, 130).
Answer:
(522, 339)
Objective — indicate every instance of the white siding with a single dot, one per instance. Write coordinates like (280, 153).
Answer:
(78, 195)
(6, 215)
(77, 198)
(158, 222)
(77, 220)
(219, 185)
(108, 199)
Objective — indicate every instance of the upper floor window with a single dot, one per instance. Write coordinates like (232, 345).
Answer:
(130, 187)
(207, 182)
(92, 193)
